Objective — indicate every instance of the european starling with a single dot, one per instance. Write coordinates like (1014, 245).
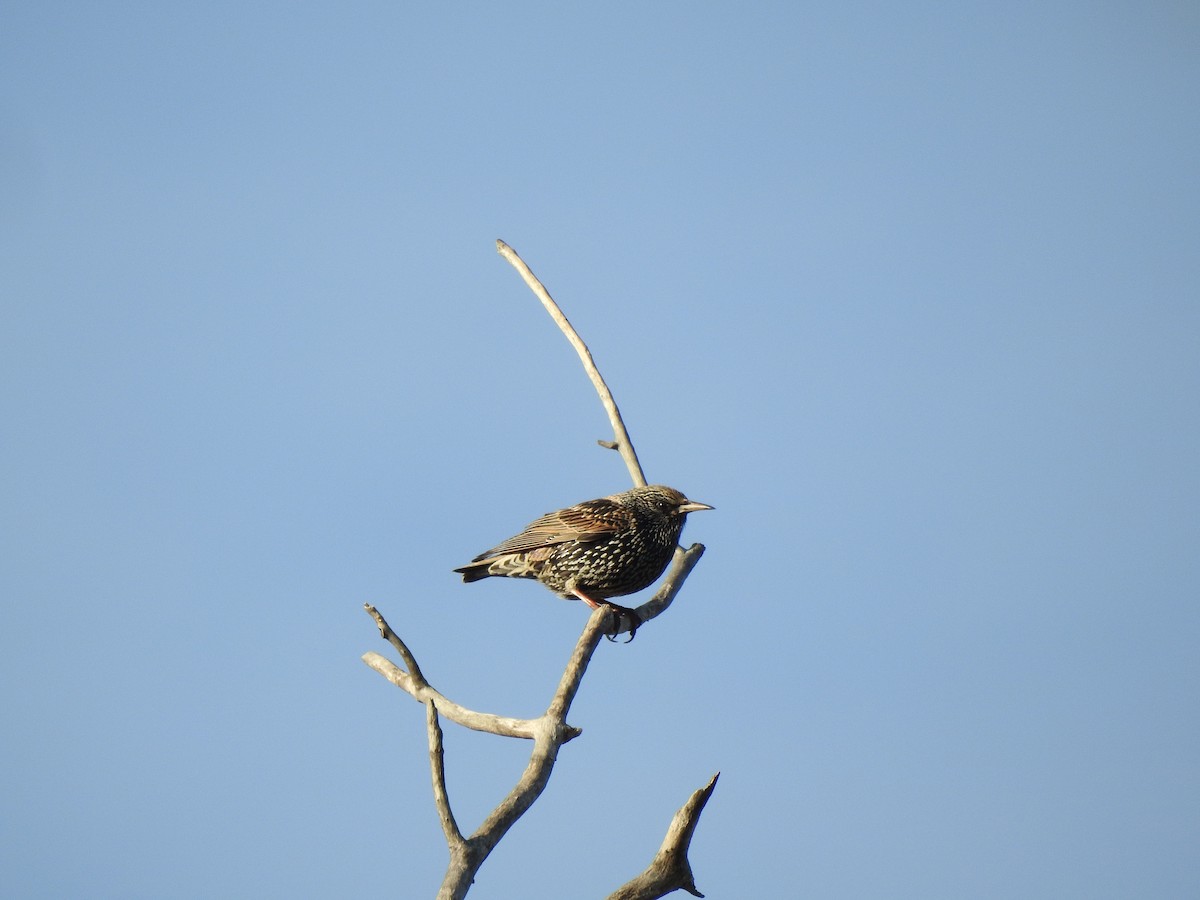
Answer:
(595, 550)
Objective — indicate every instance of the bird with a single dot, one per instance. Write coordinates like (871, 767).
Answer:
(594, 550)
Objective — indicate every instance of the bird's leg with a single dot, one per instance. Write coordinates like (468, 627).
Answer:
(580, 595)
(618, 611)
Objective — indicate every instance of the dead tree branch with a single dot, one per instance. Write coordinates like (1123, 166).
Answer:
(549, 732)
(621, 440)
(414, 683)
(669, 870)
(437, 765)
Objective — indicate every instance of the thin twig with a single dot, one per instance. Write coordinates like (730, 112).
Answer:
(423, 692)
(622, 441)
(684, 560)
(437, 764)
(392, 638)
(504, 726)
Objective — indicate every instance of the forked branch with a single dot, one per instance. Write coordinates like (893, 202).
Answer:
(549, 732)
(669, 870)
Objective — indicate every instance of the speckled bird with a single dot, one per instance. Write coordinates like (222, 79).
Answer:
(597, 549)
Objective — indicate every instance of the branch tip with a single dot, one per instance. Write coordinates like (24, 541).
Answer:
(620, 435)
(670, 870)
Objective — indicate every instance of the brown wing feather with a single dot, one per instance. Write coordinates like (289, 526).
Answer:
(589, 521)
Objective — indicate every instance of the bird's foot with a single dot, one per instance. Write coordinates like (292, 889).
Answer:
(623, 612)
(618, 612)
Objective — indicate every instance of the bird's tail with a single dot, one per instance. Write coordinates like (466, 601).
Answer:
(474, 572)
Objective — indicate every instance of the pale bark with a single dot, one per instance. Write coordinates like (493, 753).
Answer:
(670, 870)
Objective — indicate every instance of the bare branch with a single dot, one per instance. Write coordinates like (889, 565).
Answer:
(423, 692)
(551, 732)
(385, 630)
(670, 870)
(684, 560)
(568, 685)
(681, 565)
(504, 726)
(437, 765)
(622, 441)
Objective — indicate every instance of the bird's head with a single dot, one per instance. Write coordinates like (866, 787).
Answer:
(667, 500)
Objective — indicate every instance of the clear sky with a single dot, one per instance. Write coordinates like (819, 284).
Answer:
(909, 292)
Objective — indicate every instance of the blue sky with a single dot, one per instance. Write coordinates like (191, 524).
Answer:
(910, 294)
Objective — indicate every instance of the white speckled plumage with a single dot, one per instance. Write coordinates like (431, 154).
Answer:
(597, 549)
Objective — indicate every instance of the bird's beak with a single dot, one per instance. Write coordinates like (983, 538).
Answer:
(692, 506)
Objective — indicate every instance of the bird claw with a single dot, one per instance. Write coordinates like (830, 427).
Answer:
(623, 611)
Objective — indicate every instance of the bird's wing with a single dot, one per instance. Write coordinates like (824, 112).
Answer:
(590, 521)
